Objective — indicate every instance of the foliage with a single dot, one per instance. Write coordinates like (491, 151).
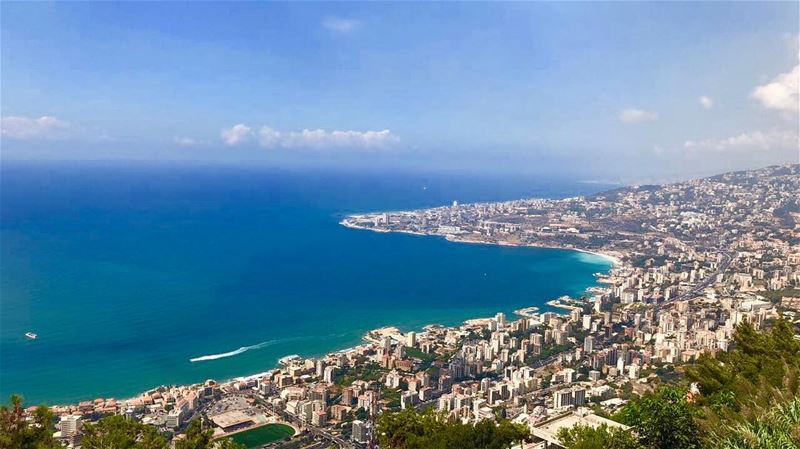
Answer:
(18, 433)
(778, 428)
(602, 437)
(111, 432)
(410, 429)
(228, 444)
(197, 438)
(663, 419)
(761, 364)
(370, 372)
(775, 296)
(117, 432)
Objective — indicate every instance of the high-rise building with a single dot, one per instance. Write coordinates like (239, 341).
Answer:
(386, 344)
(320, 367)
(411, 339)
(70, 425)
(360, 434)
(578, 397)
(174, 419)
(348, 395)
(330, 374)
(588, 344)
(562, 398)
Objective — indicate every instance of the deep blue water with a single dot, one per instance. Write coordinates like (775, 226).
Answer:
(128, 272)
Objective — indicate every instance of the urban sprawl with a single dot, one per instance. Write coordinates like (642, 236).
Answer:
(692, 260)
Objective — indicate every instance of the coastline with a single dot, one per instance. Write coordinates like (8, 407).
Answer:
(615, 261)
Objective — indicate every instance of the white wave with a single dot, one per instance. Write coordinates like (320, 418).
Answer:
(233, 353)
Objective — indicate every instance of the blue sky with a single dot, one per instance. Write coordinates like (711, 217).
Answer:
(616, 90)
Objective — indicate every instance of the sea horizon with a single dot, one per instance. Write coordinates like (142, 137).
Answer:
(92, 255)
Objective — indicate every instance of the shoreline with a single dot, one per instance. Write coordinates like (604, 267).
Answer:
(616, 262)
(613, 259)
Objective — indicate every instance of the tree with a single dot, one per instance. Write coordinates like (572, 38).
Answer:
(116, 432)
(228, 444)
(776, 428)
(196, 437)
(757, 361)
(409, 429)
(17, 433)
(601, 437)
(663, 420)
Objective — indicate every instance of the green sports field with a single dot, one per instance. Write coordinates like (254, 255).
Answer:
(259, 436)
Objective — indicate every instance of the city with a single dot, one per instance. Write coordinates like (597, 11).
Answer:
(693, 261)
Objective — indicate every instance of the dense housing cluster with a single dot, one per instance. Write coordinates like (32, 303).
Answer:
(693, 260)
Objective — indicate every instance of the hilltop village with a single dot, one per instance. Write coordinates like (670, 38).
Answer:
(692, 261)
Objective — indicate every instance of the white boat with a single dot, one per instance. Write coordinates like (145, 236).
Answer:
(289, 359)
(31, 336)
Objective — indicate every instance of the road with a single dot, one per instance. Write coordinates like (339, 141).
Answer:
(702, 285)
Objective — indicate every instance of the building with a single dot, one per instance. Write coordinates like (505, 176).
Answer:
(360, 434)
(588, 344)
(329, 374)
(70, 426)
(575, 396)
(547, 431)
(233, 420)
(174, 418)
(411, 339)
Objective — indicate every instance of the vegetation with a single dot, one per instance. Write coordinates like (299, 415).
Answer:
(749, 398)
(370, 372)
(761, 369)
(111, 432)
(547, 351)
(197, 438)
(116, 432)
(410, 429)
(663, 420)
(775, 296)
(777, 428)
(17, 433)
(603, 437)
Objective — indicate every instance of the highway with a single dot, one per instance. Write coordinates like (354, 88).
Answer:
(702, 285)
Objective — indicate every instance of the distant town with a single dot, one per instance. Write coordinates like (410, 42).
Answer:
(692, 260)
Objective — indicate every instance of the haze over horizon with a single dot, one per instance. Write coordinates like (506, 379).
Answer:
(628, 92)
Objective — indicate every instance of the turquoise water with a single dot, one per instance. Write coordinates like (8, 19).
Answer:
(129, 273)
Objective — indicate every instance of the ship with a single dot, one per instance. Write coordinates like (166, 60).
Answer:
(31, 336)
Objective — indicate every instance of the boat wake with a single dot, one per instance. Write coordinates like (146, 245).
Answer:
(241, 350)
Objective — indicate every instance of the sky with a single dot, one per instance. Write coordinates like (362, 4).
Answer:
(606, 91)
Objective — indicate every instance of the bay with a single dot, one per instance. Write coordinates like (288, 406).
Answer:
(137, 275)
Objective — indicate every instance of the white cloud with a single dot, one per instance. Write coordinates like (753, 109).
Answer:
(318, 139)
(633, 115)
(323, 139)
(748, 141)
(24, 128)
(186, 141)
(269, 137)
(236, 134)
(783, 93)
(706, 102)
(340, 25)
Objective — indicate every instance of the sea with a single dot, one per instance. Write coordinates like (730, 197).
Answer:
(136, 275)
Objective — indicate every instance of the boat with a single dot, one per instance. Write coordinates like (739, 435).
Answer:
(289, 359)
(31, 336)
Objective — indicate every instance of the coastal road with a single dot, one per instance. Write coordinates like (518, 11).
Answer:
(707, 281)
(316, 431)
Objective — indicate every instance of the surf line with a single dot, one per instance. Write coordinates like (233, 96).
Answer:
(241, 350)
